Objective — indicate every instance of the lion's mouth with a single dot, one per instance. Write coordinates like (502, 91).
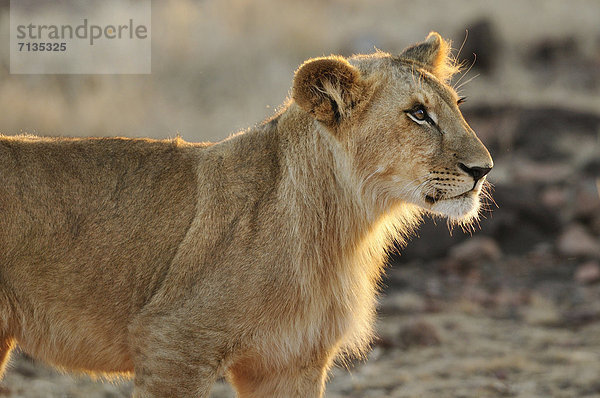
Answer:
(432, 199)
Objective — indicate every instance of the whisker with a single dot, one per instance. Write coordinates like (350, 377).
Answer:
(467, 81)
(466, 73)
(450, 224)
(463, 43)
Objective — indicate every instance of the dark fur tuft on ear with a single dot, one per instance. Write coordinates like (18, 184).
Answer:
(327, 88)
(434, 55)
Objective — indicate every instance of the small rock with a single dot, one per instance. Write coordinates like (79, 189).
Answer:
(541, 311)
(595, 225)
(476, 249)
(580, 317)
(554, 197)
(592, 167)
(501, 374)
(587, 200)
(588, 273)
(401, 303)
(541, 172)
(419, 333)
(384, 342)
(551, 50)
(502, 389)
(577, 241)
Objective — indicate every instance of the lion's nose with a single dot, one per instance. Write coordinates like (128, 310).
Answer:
(476, 172)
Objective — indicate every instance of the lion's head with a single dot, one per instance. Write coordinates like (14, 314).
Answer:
(400, 127)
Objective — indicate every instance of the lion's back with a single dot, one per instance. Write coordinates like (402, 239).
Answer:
(88, 221)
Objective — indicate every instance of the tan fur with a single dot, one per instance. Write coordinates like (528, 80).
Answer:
(258, 257)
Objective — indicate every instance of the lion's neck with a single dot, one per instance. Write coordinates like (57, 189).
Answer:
(336, 229)
(337, 241)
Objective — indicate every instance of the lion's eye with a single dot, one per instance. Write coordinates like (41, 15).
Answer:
(419, 114)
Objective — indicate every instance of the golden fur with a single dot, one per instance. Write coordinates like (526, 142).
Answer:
(258, 257)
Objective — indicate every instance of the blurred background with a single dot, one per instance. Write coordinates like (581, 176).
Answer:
(510, 309)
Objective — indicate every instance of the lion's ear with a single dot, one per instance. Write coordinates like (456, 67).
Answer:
(328, 88)
(434, 55)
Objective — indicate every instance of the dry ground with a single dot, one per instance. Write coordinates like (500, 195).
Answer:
(473, 355)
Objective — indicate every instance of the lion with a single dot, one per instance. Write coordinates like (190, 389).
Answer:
(257, 258)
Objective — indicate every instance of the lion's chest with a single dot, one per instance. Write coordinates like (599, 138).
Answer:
(335, 316)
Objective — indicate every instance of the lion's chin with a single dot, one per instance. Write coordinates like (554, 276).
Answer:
(462, 209)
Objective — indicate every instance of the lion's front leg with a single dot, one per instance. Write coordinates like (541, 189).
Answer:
(173, 358)
(251, 380)
(160, 378)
